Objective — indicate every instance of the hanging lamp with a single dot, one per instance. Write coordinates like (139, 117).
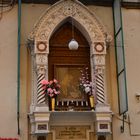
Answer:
(73, 44)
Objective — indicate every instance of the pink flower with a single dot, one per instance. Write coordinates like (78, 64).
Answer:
(51, 95)
(49, 89)
(44, 82)
(54, 90)
(57, 92)
(55, 81)
(50, 82)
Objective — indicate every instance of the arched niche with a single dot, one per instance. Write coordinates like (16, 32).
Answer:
(95, 34)
(84, 20)
(65, 64)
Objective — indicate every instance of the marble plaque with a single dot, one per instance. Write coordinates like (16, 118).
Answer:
(70, 132)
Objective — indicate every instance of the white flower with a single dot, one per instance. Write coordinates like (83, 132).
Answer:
(87, 89)
(85, 85)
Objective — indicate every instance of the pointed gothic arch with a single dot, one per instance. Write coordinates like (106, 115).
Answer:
(88, 23)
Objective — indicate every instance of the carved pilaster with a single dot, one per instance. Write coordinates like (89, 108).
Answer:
(39, 122)
(103, 120)
(98, 58)
(30, 45)
(41, 59)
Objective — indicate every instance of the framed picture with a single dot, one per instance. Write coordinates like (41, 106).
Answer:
(68, 77)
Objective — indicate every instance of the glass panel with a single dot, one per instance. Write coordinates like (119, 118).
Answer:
(120, 59)
(122, 93)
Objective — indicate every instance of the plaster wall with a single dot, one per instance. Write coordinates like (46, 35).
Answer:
(30, 15)
(131, 21)
(8, 74)
(131, 30)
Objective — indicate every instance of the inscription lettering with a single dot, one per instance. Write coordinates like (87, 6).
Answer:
(71, 132)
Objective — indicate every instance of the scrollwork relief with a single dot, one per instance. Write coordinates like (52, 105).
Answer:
(41, 69)
(62, 10)
(41, 59)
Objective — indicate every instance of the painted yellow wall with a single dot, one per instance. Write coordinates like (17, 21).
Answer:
(30, 15)
(8, 74)
(131, 20)
(131, 26)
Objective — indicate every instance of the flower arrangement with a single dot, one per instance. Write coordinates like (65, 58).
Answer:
(52, 88)
(85, 84)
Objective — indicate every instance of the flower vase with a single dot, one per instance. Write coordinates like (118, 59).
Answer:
(52, 104)
(91, 100)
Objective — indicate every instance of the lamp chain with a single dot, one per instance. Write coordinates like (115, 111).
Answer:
(72, 24)
(72, 29)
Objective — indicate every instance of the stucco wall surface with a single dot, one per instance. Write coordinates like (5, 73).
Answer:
(30, 16)
(131, 26)
(8, 74)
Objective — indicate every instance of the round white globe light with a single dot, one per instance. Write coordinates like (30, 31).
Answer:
(73, 45)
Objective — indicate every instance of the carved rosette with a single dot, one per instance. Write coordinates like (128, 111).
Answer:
(98, 50)
(69, 8)
(41, 51)
(41, 47)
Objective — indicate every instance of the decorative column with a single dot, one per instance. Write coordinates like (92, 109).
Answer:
(100, 90)
(40, 116)
(98, 58)
(103, 113)
(41, 68)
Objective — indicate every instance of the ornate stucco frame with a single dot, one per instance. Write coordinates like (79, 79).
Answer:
(90, 27)
(84, 20)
